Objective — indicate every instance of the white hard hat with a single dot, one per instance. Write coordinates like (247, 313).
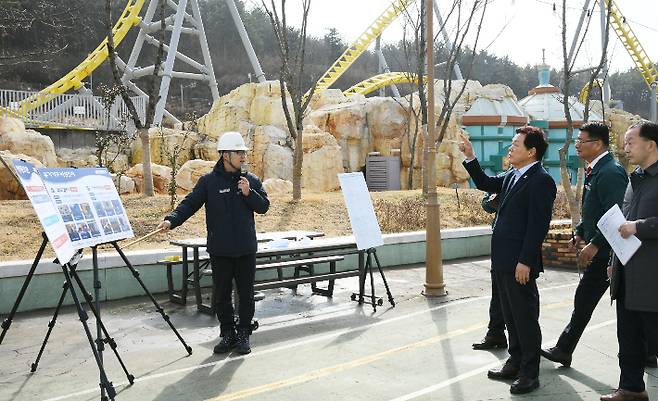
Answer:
(231, 141)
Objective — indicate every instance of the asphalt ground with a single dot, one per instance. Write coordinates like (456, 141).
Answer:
(310, 347)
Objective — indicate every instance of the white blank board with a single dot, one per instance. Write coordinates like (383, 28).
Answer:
(359, 208)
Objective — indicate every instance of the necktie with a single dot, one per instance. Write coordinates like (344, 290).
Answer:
(512, 180)
(587, 171)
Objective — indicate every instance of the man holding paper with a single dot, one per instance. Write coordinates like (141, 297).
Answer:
(605, 184)
(634, 285)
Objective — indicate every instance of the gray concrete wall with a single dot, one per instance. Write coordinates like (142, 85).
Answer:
(117, 281)
(70, 139)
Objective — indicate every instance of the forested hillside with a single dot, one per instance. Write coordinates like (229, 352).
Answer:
(41, 40)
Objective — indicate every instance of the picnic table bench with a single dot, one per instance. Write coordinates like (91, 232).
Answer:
(301, 258)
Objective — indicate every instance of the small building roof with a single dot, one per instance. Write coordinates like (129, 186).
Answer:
(546, 102)
(488, 111)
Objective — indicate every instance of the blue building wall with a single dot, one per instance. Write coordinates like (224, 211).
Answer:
(491, 143)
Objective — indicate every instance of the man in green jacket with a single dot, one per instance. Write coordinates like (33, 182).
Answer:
(605, 184)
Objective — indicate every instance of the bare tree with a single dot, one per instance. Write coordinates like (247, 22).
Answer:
(415, 108)
(292, 51)
(151, 91)
(171, 154)
(464, 19)
(574, 196)
(110, 145)
(455, 51)
(411, 131)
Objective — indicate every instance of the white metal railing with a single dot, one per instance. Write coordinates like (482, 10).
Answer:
(81, 111)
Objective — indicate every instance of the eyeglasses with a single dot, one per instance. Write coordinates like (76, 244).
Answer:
(581, 141)
(240, 152)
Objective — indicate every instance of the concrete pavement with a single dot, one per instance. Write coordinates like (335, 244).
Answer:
(311, 347)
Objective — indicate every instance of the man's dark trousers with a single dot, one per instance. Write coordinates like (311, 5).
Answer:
(496, 319)
(591, 288)
(635, 329)
(224, 271)
(520, 305)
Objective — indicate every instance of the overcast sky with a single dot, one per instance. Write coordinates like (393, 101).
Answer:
(517, 28)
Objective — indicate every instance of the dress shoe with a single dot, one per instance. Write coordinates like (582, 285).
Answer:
(625, 395)
(651, 362)
(557, 355)
(523, 385)
(507, 372)
(242, 342)
(491, 342)
(227, 343)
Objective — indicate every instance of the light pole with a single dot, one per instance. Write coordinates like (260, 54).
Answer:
(434, 286)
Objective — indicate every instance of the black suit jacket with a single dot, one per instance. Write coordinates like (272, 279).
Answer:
(640, 274)
(523, 218)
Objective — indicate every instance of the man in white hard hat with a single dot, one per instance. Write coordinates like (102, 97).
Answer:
(231, 196)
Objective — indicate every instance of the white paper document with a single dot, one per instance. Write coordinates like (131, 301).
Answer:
(609, 224)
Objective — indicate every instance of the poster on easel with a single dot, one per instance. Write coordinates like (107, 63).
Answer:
(46, 211)
(360, 211)
(85, 200)
(89, 205)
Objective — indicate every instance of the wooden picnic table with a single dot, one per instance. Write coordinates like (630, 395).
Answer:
(200, 242)
(269, 250)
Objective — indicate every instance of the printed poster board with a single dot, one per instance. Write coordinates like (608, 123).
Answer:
(83, 203)
(360, 210)
(46, 211)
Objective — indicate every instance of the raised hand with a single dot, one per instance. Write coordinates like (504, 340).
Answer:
(466, 147)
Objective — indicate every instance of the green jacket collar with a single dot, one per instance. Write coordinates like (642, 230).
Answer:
(599, 164)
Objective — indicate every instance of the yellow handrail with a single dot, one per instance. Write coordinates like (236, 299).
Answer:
(361, 44)
(73, 80)
(584, 92)
(380, 81)
(632, 44)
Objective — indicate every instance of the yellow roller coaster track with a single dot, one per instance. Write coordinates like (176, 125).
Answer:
(73, 80)
(361, 44)
(584, 92)
(640, 57)
(380, 81)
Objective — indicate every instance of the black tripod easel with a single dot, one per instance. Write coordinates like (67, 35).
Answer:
(371, 253)
(102, 335)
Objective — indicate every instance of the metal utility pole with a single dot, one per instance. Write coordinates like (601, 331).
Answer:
(380, 67)
(383, 68)
(174, 23)
(604, 41)
(434, 286)
(446, 38)
(255, 64)
(653, 111)
(576, 35)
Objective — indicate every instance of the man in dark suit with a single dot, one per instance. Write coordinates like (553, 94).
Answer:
(522, 222)
(605, 184)
(495, 336)
(634, 285)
